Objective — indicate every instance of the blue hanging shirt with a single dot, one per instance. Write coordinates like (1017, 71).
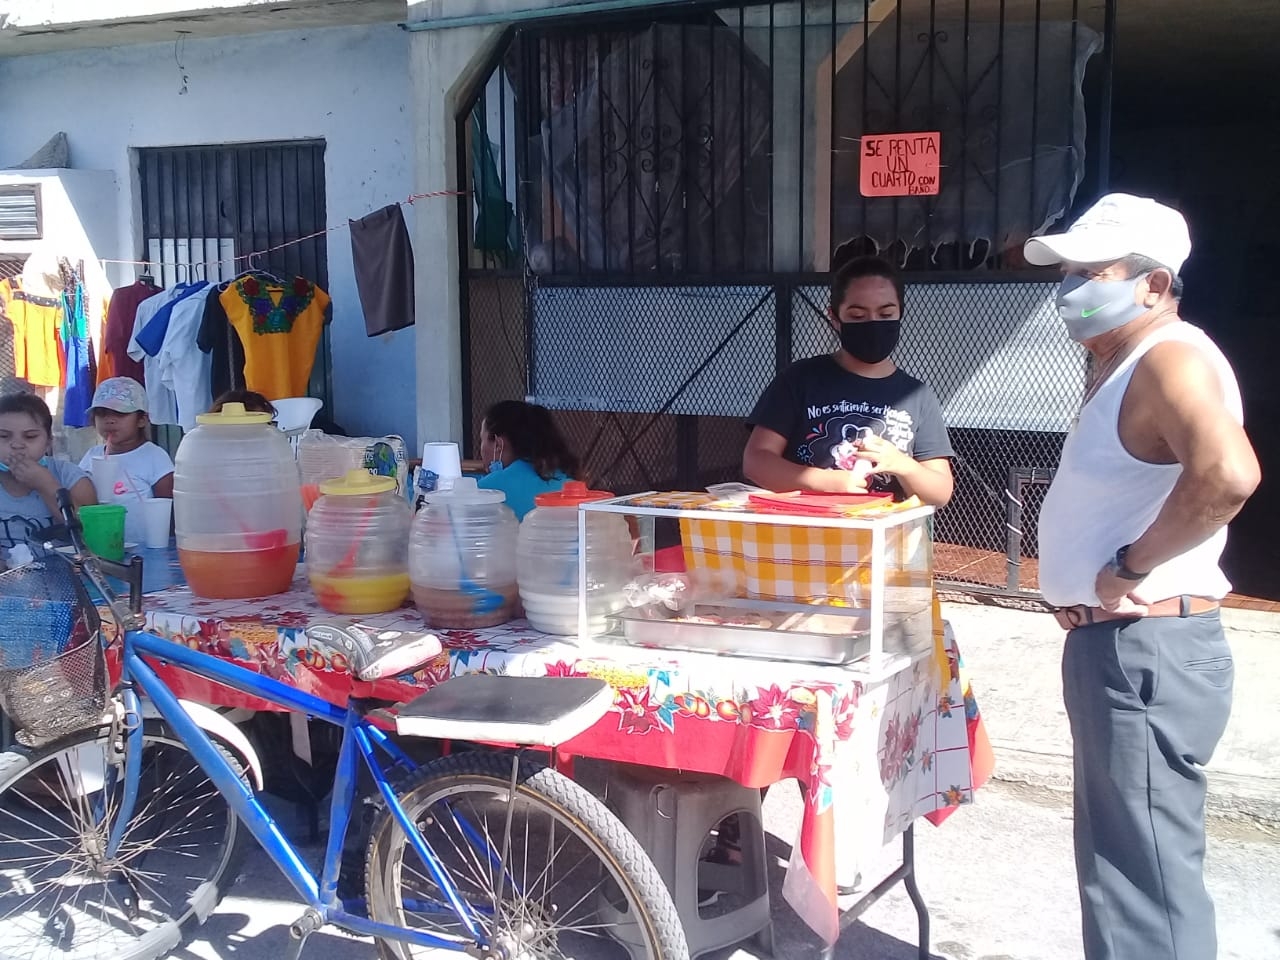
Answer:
(151, 337)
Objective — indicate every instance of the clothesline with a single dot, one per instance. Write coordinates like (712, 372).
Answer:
(409, 200)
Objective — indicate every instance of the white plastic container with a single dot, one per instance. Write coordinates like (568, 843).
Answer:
(547, 558)
(237, 506)
(462, 557)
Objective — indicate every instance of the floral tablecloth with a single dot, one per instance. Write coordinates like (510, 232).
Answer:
(872, 757)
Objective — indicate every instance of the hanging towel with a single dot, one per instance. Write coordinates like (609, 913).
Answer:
(383, 259)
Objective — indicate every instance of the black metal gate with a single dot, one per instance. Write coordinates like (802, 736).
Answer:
(655, 200)
(205, 209)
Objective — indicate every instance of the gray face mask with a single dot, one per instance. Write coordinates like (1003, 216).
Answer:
(1091, 308)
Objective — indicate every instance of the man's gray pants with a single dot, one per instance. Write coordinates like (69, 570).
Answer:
(1148, 701)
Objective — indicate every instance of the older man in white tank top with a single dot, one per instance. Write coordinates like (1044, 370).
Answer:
(1131, 534)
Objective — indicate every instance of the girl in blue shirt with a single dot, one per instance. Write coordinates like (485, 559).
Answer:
(29, 477)
(525, 452)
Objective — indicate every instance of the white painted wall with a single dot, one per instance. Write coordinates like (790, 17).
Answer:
(75, 223)
(347, 85)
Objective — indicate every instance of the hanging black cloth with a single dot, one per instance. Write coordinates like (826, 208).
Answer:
(383, 259)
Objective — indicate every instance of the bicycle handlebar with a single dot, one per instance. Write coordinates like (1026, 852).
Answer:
(71, 521)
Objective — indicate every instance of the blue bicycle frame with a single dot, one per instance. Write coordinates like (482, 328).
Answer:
(359, 738)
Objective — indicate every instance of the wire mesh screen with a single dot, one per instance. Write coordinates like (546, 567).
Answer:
(652, 349)
(640, 418)
(651, 385)
(1009, 382)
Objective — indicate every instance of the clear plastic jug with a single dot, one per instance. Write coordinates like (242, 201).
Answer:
(237, 506)
(547, 560)
(462, 557)
(358, 545)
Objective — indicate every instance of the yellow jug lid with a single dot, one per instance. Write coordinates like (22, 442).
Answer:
(233, 415)
(357, 483)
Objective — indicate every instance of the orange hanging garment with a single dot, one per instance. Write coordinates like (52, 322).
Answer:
(37, 345)
(106, 365)
(279, 326)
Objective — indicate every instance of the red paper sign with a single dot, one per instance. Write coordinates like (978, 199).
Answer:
(900, 165)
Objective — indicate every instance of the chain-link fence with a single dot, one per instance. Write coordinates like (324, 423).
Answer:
(652, 384)
(664, 436)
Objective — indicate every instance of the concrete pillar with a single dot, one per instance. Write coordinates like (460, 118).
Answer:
(443, 66)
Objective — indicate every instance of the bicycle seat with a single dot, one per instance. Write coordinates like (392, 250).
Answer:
(373, 656)
(532, 711)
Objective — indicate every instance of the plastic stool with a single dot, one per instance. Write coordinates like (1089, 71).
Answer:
(671, 814)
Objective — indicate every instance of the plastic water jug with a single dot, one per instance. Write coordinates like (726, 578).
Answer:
(462, 557)
(547, 558)
(237, 506)
(358, 544)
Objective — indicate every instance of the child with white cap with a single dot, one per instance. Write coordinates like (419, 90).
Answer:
(139, 468)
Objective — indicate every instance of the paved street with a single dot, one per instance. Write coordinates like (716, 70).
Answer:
(997, 877)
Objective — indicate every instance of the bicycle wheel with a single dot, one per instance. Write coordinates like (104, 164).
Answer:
(577, 884)
(61, 897)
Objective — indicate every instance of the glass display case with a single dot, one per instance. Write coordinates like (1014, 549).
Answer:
(743, 578)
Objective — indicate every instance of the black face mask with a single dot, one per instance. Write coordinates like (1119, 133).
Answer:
(871, 340)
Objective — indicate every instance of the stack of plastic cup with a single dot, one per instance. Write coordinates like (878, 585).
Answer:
(441, 465)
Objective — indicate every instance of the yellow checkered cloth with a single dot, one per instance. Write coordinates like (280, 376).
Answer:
(799, 564)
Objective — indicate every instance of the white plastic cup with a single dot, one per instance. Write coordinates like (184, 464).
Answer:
(156, 514)
(443, 460)
(105, 473)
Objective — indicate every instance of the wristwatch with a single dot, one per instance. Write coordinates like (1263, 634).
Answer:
(1122, 568)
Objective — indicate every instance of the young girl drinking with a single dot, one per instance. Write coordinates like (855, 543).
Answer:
(136, 468)
(29, 478)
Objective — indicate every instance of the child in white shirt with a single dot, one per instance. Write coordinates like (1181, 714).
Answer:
(140, 468)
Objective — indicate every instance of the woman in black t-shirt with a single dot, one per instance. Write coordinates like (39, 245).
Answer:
(851, 421)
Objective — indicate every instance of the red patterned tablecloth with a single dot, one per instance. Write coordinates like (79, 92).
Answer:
(873, 757)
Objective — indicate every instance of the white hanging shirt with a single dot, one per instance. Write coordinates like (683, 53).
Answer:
(186, 371)
(162, 406)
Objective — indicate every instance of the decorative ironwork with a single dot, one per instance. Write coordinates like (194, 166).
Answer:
(661, 163)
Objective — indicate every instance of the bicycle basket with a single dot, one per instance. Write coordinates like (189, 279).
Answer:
(53, 676)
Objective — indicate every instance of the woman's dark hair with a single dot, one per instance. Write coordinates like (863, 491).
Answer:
(31, 405)
(860, 267)
(253, 402)
(533, 436)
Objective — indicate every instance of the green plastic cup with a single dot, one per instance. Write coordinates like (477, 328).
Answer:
(103, 525)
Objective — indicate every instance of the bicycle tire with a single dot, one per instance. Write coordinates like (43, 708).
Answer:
(635, 877)
(64, 761)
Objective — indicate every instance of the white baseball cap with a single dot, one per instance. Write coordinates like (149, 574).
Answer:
(1117, 226)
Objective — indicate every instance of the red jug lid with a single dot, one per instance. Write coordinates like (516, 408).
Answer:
(571, 494)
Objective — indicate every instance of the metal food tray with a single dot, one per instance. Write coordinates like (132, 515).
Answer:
(771, 643)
